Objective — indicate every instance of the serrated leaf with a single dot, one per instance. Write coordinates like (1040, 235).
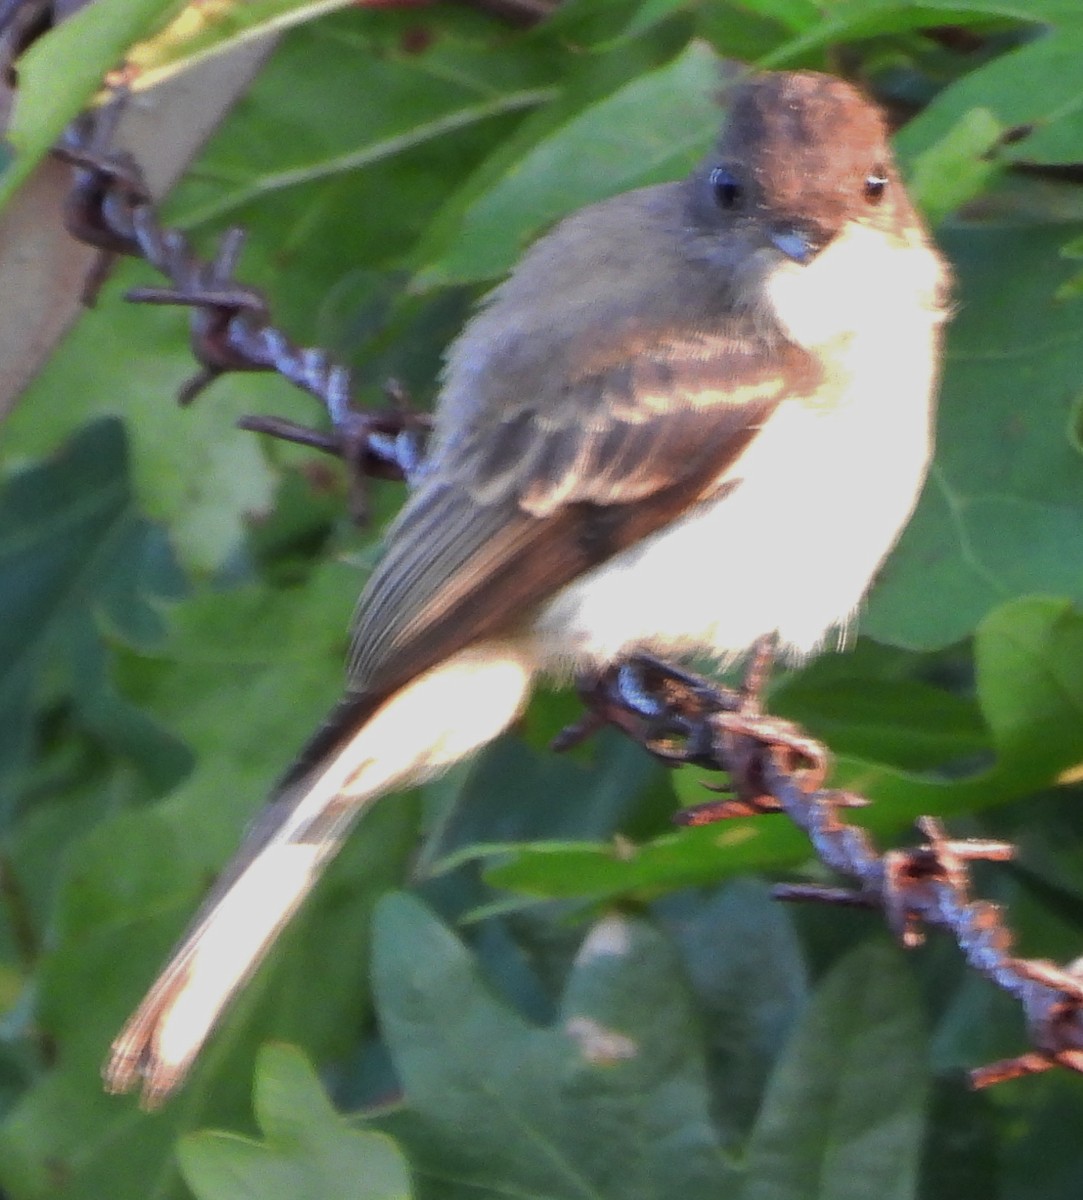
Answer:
(844, 1113)
(609, 1102)
(308, 1149)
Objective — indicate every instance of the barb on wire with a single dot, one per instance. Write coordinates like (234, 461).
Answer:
(680, 717)
(110, 207)
(775, 767)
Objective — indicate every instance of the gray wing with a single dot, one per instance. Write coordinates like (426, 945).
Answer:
(510, 514)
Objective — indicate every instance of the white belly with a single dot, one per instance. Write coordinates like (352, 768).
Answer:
(792, 549)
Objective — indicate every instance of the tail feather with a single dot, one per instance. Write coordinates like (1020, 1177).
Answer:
(210, 965)
(432, 722)
(336, 730)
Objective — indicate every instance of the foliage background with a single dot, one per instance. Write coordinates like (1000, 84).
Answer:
(573, 1000)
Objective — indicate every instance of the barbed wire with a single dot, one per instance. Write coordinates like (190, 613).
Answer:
(775, 767)
(682, 718)
(109, 207)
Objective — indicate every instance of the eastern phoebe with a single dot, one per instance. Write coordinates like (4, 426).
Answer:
(694, 414)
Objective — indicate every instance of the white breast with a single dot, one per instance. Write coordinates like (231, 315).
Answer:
(823, 494)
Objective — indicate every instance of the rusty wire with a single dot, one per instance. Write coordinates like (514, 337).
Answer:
(774, 767)
(109, 207)
(679, 717)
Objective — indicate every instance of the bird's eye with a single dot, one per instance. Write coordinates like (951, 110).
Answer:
(728, 193)
(875, 185)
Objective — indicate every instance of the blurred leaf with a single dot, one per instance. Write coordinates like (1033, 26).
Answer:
(1036, 87)
(955, 169)
(852, 20)
(654, 129)
(746, 965)
(961, 1155)
(583, 82)
(77, 560)
(127, 889)
(131, 887)
(596, 871)
(511, 792)
(900, 722)
(610, 1102)
(595, 24)
(414, 133)
(200, 30)
(275, 659)
(844, 1112)
(190, 468)
(1002, 513)
(427, 86)
(796, 16)
(62, 71)
(308, 1149)
(649, 13)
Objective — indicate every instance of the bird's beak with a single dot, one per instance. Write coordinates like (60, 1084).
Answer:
(795, 244)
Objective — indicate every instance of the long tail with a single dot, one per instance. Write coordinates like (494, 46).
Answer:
(430, 723)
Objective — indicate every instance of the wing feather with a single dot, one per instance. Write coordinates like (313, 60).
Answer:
(507, 516)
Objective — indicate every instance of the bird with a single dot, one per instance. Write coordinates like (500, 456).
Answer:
(693, 415)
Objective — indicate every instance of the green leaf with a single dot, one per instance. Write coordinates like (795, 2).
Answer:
(1037, 86)
(957, 167)
(961, 1157)
(190, 468)
(300, 134)
(242, 678)
(62, 70)
(198, 33)
(551, 793)
(308, 1149)
(745, 962)
(129, 890)
(852, 20)
(1002, 512)
(653, 129)
(271, 656)
(77, 558)
(797, 15)
(611, 1101)
(844, 1114)
(598, 871)
(901, 722)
